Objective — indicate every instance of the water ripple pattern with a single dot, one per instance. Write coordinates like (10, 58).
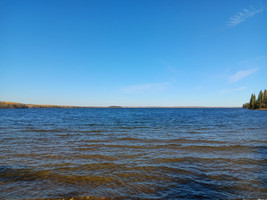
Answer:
(133, 153)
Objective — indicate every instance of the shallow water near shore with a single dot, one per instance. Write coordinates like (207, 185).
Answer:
(157, 153)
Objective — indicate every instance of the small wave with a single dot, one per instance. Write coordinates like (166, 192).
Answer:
(101, 145)
(97, 141)
(10, 174)
(132, 127)
(96, 157)
(259, 141)
(74, 197)
(94, 131)
(27, 155)
(91, 124)
(124, 146)
(56, 156)
(196, 141)
(45, 130)
(70, 196)
(14, 175)
(128, 139)
(241, 161)
(223, 148)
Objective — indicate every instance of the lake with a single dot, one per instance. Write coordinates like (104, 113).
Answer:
(133, 153)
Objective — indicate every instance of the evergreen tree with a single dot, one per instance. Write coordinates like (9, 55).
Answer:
(259, 103)
(265, 99)
(252, 102)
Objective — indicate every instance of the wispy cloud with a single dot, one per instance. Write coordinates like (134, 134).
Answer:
(240, 75)
(145, 87)
(226, 91)
(243, 15)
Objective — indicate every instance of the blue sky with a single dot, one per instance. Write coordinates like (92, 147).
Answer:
(133, 53)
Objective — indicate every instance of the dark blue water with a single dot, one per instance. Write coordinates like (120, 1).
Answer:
(133, 153)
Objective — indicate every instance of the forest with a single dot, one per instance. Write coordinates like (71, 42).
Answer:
(259, 102)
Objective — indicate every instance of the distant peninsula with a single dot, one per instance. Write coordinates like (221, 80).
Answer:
(4, 104)
(259, 103)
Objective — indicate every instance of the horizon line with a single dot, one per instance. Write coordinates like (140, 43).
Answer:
(111, 106)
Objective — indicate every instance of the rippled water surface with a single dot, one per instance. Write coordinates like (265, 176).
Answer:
(133, 153)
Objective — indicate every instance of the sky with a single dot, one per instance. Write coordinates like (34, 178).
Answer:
(133, 53)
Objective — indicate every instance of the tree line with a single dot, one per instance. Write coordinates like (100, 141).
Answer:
(257, 103)
(4, 104)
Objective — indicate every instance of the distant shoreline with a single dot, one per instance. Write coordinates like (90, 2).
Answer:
(262, 109)
(15, 105)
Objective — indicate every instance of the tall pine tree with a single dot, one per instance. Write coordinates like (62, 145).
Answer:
(265, 99)
(252, 103)
(259, 103)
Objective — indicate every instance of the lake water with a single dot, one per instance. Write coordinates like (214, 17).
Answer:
(133, 153)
